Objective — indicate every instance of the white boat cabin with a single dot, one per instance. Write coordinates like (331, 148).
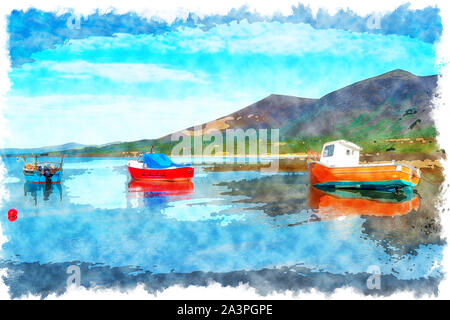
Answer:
(340, 153)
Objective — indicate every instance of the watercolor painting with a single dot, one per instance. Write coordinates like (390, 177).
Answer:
(293, 151)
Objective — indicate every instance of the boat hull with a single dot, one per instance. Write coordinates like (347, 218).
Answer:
(37, 177)
(374, 177)
(168, 174)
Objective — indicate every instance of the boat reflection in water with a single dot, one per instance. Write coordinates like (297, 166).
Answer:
(34, 190)
(335, 203)
(151, 193)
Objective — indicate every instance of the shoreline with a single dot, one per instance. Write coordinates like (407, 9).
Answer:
(99, 155)
(286, 162)
(363, 156)
(298, 165)
(289, 161)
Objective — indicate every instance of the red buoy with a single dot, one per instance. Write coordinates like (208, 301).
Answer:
(12, 215)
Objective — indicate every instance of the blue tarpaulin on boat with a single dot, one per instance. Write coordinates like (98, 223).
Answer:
(158, 161)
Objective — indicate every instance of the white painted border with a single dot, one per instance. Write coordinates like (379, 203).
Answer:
(169, 9)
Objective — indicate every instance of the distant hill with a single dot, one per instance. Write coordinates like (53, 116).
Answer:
(71, 146)
(393, 105)
(63, 147)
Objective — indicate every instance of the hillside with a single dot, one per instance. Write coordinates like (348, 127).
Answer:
(393, 105)
(274, 111)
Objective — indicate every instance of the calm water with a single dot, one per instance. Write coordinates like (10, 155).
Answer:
(271, 231)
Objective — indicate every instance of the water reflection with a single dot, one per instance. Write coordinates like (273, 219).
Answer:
(276, 195)
(338, 203)
(37, 191)
(272, 231)
(151, 193)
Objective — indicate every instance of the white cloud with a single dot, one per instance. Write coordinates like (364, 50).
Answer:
(270, 38)
(120, 72)
(274, 38)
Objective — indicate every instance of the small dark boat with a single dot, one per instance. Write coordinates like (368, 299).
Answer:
(43, 172)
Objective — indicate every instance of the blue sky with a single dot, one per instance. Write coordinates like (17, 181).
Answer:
(101, 87)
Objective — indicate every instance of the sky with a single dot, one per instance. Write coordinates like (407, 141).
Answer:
(124, 78)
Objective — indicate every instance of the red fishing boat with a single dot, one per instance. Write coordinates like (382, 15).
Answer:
(158, 167)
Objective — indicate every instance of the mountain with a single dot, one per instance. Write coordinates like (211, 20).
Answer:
(393, 105)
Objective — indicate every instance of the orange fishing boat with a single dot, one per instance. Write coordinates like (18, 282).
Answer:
(339, 203)
(339, 167)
